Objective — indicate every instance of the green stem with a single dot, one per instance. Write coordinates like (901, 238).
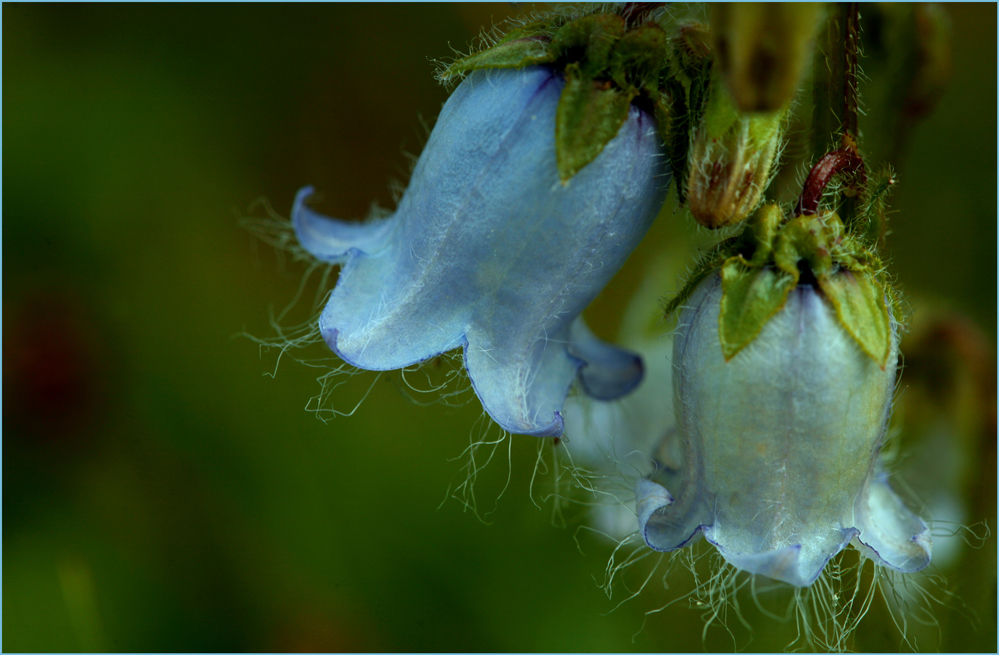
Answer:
(835, 112)
(851, 46)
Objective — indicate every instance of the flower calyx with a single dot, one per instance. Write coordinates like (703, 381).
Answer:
(774, 254)
(609, 60)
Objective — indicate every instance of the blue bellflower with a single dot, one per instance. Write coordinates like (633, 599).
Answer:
(489, 252)
(774, 459)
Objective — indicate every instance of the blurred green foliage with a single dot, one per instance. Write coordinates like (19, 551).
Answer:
(161, 493)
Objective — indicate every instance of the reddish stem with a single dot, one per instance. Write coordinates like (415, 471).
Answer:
(844, 160)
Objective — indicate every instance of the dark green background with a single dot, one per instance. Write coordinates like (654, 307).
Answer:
(160, 493)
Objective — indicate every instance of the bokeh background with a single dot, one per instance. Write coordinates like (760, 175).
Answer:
(161, 493)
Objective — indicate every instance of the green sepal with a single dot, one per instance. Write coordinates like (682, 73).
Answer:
(525, 46)
(762, 231)
(690, 52)
(685, 85)
(638, 58)
(850, 252)
(751, 296)
(605, 67)
(810, 239)
(755, 241)
(846, 272)
(862, 310)
(589, 41)
(589, 115)
(673, 118)
(706, 265)
(662, 108)
(763, 263)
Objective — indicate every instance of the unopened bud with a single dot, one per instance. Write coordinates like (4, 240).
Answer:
(730, 159)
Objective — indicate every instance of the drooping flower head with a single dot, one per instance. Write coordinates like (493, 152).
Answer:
(783, 393)
(502, 238)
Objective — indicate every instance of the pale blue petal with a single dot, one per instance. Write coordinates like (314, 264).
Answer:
(667, 527)
(608, 372)
(664, 525)
(773, 455)
(489, 250)
(522, 388)
(330, 240)
(892, 534)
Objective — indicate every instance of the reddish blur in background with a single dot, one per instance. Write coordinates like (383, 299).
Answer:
(161, 494)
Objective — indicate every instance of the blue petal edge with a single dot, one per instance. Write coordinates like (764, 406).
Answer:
(784, 564)
(889, 532)
(664, 532)
(332, 240)
(608, 372)
(659, 528)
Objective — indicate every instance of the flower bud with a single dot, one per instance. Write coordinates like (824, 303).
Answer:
(730, 159)
(774, 460)
(490, 251)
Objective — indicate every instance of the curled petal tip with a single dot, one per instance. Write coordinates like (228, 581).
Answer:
(607, 372)
(890, 532)
(663, 525)
(330, 239)
(554, 429)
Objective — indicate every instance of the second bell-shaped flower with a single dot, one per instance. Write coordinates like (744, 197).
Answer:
(775, 455)
(490, 252)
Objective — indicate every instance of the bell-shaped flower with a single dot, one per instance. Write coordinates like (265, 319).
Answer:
(775, 456)
(489, 251)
